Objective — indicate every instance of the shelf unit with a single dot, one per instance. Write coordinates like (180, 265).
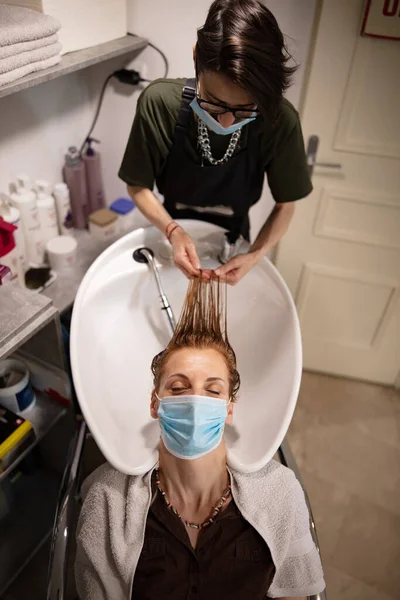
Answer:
(43, 416)
(76, 61)
(26, 320)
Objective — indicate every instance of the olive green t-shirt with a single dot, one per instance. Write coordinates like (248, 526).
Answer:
(280, 146)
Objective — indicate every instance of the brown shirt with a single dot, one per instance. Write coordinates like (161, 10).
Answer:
(230, 562)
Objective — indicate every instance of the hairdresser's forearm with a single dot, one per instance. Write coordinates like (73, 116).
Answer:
(274, 228)
(150, 207)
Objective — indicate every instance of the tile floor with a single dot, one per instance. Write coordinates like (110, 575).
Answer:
(345, 436)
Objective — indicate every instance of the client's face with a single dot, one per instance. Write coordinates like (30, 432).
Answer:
(194, 372)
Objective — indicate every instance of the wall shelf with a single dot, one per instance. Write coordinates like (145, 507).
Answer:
(76, 61)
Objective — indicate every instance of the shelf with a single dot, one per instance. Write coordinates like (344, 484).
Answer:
(22, 314)
(43, 417)
(75, 61)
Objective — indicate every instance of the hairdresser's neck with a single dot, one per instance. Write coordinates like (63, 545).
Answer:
(196, 481)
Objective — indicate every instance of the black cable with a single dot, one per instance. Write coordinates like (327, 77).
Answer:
(165, 59)
(126, 76)
(96, 116)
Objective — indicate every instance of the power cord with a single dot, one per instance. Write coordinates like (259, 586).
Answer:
(165, 59)
(128, 77)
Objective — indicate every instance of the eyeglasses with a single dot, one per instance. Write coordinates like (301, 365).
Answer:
(221, 109)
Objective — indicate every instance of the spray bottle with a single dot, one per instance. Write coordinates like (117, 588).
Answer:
(12, 215)
(75, 178)
(8, 252)
(92, 161)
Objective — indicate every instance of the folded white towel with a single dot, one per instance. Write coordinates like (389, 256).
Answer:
(20, 24)
(26, 58)
(6, 51)
(11, 76)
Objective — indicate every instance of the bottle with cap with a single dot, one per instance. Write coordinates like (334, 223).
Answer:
(63, 206)
(23, 198)
(8, 252)
(75, 178)
(12, 215)
(47, 211)
(92, 161)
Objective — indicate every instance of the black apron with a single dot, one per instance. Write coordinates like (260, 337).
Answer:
(236, 184)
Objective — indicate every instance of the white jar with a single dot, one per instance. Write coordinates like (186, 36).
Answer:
(25, 201)
(12, 215)
(63, 206)
(47, 211)
(19, 396)
(62, 252)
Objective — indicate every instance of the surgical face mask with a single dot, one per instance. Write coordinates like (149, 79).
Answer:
(215, 125)
(192, 426)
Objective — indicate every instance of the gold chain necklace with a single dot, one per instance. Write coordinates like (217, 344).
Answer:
(214, 512)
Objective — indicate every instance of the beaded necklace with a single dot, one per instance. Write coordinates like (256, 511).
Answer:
(214, 513)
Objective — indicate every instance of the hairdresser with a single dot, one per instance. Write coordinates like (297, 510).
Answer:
(208, 142)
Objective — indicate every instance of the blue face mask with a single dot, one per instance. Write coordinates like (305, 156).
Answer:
(215, 125)
(192, 426)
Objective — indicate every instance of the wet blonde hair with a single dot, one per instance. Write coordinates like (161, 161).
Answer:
(202, 325)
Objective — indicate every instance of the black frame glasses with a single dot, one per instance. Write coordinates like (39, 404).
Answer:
(239, 113)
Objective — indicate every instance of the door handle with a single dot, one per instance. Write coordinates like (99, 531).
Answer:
(328, 165)
(312, 149)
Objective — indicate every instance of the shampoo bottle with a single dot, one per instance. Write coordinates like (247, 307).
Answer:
(63, 204)
(75, 178)
(24, 199)
(92, 161)
(47, 211)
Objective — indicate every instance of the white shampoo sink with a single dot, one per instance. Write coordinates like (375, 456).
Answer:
(118, 326)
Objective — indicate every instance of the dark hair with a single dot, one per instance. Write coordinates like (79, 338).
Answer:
(242, 39)
(202, 325)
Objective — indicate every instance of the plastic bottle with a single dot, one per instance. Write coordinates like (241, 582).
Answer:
(23, 198)
(63, 205)
(92, 161)
(8, 252)
(12, 215)
(75, 178)
(47, 211)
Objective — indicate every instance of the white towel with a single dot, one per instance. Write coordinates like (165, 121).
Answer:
(24, 25)
(26, 58)
(11, 76)
(6, 51)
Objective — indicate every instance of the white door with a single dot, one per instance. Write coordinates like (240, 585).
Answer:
(341, 256)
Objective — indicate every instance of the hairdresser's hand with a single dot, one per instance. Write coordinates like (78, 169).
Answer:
(235, 269)
(185, 255)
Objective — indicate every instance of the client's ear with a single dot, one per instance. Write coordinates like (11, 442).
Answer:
(229, 418)
(154, 405)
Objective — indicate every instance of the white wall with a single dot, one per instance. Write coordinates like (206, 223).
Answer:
(37, 125)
